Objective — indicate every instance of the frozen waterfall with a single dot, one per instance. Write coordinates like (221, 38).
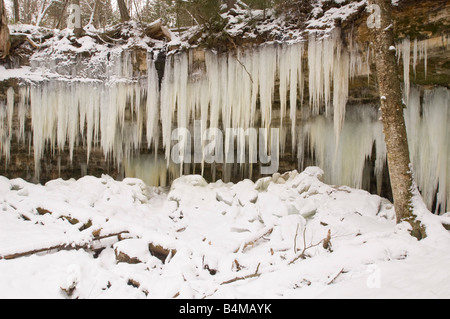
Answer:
(260, 87)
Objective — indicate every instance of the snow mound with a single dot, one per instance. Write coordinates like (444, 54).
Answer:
(283, 236)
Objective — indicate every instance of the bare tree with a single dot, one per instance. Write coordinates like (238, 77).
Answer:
(29, 7)
(5, 43)
(43, 11)
(392, 116)
(16, 11)
(78, 29)
(59, 20)
(124, 15)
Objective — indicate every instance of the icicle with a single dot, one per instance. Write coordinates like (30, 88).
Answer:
(415, 55)
(181, 68)
(381, 155)
(340, 91)
(267, 72)
(215, 85)
(216, 88)
(327, 67)
(428, 139)
(406, 56)
(241, 110)
(6, 115)
(10, 104)
(167, 106)
(315, 65)
(255, 84)
(295, 53)
(356, 61)
(246, 80)
(22, 111)
(330, 47)
(284, 62)
(152, 106)
(92, 118)
(39, 123)
(367, 64)
(344, 163)
(426, 57)
(4, 138)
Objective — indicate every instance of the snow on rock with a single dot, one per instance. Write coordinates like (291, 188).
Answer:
(219, 240)
(326, 20)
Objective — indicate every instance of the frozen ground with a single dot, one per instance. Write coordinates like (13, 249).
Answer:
(196, 240)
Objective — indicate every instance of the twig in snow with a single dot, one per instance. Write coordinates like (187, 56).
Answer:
(335, 277)
(295, 238)
(326, 242)
(253, 241)
(255, 275)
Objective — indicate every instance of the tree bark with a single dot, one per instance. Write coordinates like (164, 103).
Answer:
(16, 11)
(5, 43)
(230, 4)
(78, 30)
(392, 116)
(124, 15)
(58, 24)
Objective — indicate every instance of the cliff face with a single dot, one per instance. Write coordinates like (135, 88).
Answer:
(425, 23)
(86, 106)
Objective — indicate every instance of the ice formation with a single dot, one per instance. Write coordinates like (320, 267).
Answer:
(344, 160)
(429, 133)
(419, 52)
(233, 92)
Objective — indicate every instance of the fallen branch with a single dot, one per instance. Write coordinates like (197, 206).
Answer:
(256, 274)
(33, 44)
(335, 277)
(251, 242)
(71, 246)
(295, 238)
(326, 242)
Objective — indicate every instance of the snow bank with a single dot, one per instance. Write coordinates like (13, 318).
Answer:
(245, 240)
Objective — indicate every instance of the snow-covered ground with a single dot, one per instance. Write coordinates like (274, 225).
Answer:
(246, 240)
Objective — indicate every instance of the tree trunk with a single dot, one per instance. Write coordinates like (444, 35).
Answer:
(78, 30)
(63, 10)
(124, 15)
(16, 11)
(230, 4)
(5, 43)
(392, 116)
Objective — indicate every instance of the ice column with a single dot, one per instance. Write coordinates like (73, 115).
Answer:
(428, 134)
(329, 66)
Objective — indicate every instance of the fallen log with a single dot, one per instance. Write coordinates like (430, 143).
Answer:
(70, 246)
(120, 32)
(157, 31)
(254, 275)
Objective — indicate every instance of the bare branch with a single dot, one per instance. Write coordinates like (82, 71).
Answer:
(71, 246)
(254, 275)
(252, 241)
(302, 255)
